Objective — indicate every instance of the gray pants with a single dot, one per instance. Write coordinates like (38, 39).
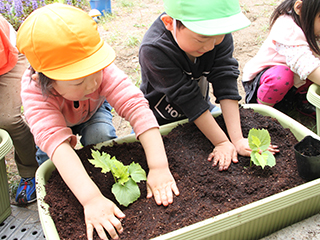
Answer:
(12, 121)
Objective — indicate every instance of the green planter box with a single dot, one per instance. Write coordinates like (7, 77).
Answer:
(5, 146)
(252, 221)
(313, 97)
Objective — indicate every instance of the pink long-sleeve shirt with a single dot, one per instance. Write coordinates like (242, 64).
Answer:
(51, 117)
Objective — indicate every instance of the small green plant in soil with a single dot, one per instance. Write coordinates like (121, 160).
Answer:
(125, 189)
(259, 141)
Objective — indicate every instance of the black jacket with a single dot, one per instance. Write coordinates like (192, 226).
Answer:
(170, 81)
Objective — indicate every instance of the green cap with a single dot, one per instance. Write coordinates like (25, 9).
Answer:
(208, 17)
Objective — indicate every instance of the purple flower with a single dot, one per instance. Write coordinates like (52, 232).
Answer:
(69, 2)
(18, 8)
(41, 3)
(2, 8)
(8, 8)
(79, 3)
(34, 4)
(27, 3)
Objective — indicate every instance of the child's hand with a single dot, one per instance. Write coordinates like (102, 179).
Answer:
(161, 184)
(273, 149)
(243, 147)
(223, 153)
(102, 214)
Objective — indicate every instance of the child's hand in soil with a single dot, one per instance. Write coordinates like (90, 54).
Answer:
(244, 149)
(242, 146)
(223, 153)
(161, 184)
(101, 213)
(273, 149)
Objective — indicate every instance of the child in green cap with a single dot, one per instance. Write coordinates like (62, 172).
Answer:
(64, 93)
(185, 49)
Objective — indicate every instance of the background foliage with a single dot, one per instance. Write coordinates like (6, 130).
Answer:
(16, 11)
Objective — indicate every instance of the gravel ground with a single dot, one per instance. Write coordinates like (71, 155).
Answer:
(308, 229)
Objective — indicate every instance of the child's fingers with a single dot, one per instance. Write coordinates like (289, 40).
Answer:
(118, 213)
(175, 189)
(164, 196)
(149, 192)
(102, 233)
(223, 163)
(234, 157)
(211, 155)
(110, 229)
(115, 221)
(169, 194)
(157, 197)
(218, 159)
(89, 231)
(273, 149)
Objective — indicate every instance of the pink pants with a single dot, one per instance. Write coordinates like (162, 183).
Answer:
(275, 83)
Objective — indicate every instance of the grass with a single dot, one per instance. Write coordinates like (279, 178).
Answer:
(13, 180)
(304, 120)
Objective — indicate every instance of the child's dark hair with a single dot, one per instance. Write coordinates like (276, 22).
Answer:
(179, 24)
(309, 11)
(44, 82)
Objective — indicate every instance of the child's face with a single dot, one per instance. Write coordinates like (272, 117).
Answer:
(77, 90)
(317, 25)
(195, 45)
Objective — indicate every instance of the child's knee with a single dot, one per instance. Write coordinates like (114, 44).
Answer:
(274, 84)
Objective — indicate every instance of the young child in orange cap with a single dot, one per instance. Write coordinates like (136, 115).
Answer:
(68, 90)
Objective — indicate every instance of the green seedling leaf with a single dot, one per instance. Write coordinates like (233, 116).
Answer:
(100, 161)
(271, 159)
(255, 143)
(259, 141)
(120, 171)
(126, 193)
(260, 159)
(136, 172)
(125, 188)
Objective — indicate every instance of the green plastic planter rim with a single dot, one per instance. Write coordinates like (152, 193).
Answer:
(5, 143)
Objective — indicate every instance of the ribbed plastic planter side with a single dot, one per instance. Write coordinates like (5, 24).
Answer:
(5, 147)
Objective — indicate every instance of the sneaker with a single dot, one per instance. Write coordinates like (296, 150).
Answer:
(304, 107)
(26, 192)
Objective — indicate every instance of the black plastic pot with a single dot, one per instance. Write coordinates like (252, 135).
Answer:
(307, 153)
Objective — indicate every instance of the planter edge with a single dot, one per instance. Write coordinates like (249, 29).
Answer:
(252, 221)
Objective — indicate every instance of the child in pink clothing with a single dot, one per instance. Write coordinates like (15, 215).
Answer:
(65, 91)
(288, 61)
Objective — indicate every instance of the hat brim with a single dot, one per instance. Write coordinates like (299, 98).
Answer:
(102, 58)
(218, 26)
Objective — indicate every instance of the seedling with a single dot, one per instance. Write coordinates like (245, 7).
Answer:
(259, 141)
(125, 189)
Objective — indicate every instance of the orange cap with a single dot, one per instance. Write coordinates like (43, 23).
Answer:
(63, 43)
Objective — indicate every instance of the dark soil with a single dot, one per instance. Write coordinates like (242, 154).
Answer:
(204, 191)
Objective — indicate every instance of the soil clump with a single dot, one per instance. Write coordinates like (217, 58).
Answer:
(204, 191)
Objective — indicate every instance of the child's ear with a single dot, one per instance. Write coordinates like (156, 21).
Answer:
(35, 77)
(167, 21)
(297, 7)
